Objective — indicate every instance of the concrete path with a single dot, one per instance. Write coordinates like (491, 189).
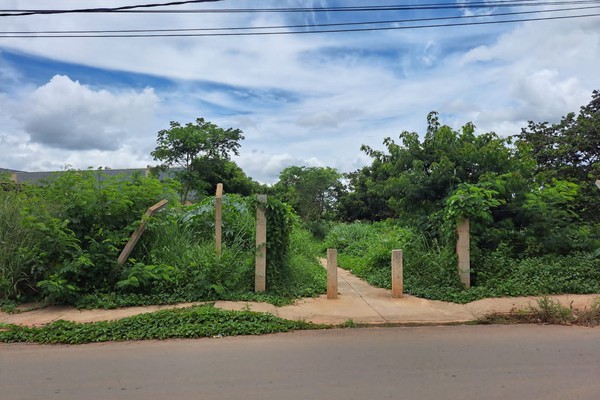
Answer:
(358, 302)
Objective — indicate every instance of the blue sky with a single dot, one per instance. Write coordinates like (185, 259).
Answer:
(300, 99)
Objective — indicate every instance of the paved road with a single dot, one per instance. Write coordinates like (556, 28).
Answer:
(446, 362)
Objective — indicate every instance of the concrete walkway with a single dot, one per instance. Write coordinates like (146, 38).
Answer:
(358, 301)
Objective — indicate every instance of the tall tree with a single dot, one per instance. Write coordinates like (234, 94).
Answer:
(415, 177)
(182, 147)
(571, 148)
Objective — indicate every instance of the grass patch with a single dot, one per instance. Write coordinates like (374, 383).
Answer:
(193, 322)
(548, 311)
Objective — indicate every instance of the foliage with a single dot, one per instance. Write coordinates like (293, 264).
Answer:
(63, 237)
(549, 311)
(311, 191)
(211, 171)
(416, 177)
(179, 264)
(569, 149)
(33, 245)
(194, 322)
(193, 146)
(430, 265)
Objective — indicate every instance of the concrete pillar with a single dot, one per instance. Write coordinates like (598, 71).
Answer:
(260, 274)
(397, 275)
(463, 251)
(218, 217)
(332, 278)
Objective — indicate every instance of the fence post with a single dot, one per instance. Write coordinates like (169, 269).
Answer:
(135, 236)
(463, 251)
(218, 217)
(260, 273)
(332, 279)
(397, 275)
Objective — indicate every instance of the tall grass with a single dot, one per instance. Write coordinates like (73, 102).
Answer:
(17, 245)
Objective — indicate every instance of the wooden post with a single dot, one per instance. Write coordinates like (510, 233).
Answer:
(463, 251)
(332, 279)
(218, 217)
(598, 183)
(397, 275)
(15, 178)
(260, 274)
(135, 237)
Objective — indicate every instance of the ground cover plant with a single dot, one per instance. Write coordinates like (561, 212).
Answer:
(194, 322)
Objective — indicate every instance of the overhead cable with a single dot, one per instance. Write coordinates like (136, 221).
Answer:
(316, 25)
(141, 8)
(341, 30)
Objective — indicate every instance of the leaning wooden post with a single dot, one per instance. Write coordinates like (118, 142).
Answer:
(218, 217)
(332, 279)
(463, 251)
(397, 275)
(260, 274)
(135, 237)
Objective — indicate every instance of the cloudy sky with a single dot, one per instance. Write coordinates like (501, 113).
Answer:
(301, 99)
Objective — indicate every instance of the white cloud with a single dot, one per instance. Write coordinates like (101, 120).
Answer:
(68, 115)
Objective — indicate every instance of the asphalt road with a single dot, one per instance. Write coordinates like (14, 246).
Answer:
(446, 362)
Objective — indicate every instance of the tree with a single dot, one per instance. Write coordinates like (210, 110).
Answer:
(210, 172)
(182, 147)
(571, 148)
(416, 177)
(311, 191)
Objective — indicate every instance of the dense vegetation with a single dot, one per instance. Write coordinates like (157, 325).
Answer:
(61, 241)
(530, 198)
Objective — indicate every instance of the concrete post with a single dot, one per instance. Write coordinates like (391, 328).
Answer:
(218, 217)
(463, 251)
(332, 278)
(260, 274)
(397, 275)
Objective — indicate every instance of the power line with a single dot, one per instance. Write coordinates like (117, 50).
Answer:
(345, 30)
(400, 7)
(250, 28)
(18, 13)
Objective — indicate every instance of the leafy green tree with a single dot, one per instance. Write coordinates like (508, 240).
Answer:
(571, 148)
(311, 191)
(210, 172)
(416, 177)
(182, 147)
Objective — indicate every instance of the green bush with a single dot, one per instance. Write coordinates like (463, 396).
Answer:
(34, 245)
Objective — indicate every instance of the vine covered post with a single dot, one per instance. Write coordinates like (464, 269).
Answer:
(332, 279)
(218, 217)
(260, 273)
(463, 251)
